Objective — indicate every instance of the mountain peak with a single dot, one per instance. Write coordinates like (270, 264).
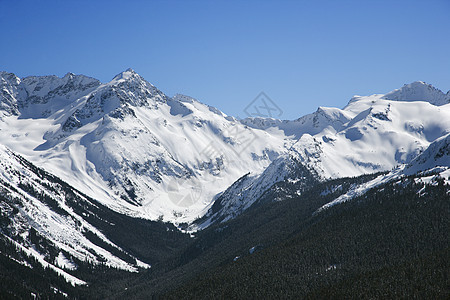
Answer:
(69, 75)
(126, 75)
(11, 78)
(418, 91)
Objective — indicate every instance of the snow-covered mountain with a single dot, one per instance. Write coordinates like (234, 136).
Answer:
(51, 223)
(129, 145)
(437, 155)
(432, 166)
(419, 91)
(371, 134)
(249, 189)
(148, 155)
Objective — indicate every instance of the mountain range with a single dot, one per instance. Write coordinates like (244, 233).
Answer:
(79, 157)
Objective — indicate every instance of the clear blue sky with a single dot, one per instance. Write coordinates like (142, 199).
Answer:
(302, 54)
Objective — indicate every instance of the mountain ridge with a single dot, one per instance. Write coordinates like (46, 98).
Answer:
(101, 181)
(97, 134)
(145, 154)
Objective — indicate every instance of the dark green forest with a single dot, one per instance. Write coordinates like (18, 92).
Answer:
(389, 243)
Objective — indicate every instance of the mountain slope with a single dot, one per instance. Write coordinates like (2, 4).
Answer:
(392, 242)
(250, 191)
(35, 207)
(431, 166)
(50, 225)
(371, 134)
(393, 224)
(380, 135)
(249, 188)
(419, 91)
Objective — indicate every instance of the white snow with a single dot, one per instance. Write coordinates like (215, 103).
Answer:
(161, 143)
(63, 262)
(435, 160)
(36, 255)
(65, 231)
(419, 91)
(371, 134)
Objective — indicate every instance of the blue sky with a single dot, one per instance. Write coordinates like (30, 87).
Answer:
(302, 54)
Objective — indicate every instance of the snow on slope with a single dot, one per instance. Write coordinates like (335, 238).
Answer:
(419, 91)
(380, 135)
(429, 166)
(435, 156)
(37, 205)
(8, 89)
(311, 124)
(51, 93)
(132, 147)
(371, 134)
(249, 189)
